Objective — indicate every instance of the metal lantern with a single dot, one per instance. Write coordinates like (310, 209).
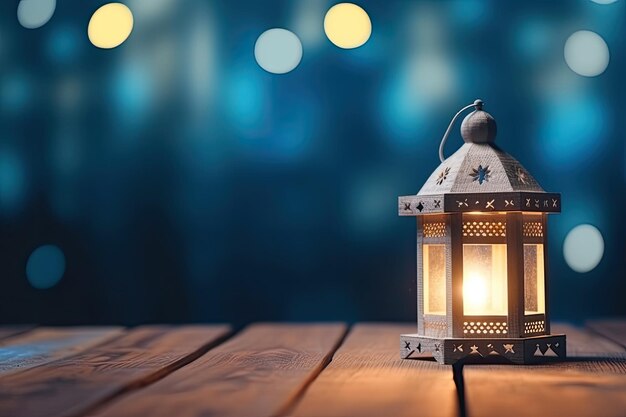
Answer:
(482, 276)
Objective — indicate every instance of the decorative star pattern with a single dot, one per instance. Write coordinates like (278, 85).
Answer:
(521, 176)
(508, 348)
(409, 205)
(481, 174)
(443, 175)
(548, 348)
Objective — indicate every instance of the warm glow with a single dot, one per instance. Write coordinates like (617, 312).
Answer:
(434, 263)
(110, 25)
(474, 292)
(347, 25)
(484, 280)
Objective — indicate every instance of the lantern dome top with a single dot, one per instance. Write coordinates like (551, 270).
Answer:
(478, 126)
(478, 167)
(479, 176)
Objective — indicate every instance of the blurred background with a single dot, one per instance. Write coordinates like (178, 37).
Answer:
(172, 179)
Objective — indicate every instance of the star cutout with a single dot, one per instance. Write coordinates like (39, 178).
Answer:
(420, 206)
(508, 348)
(442, 176)
(481, 174)
(474, 349)
(521, 176)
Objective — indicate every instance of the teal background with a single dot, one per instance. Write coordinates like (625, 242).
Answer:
(184, 183)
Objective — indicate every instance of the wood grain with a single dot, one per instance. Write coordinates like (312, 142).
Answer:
(11, 331)
(45, 345)
(257, 373)
(77, 384)
(367, 378)
(583, 343)
(591, 382)
(613, 329)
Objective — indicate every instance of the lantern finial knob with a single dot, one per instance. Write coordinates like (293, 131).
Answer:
(478, 131)
(478, 126)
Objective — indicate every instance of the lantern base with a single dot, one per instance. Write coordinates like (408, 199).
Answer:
(525, 350)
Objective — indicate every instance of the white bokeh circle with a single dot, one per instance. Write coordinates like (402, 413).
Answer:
(583, 248)
(586, 53)
(33, 14)
(278, 51)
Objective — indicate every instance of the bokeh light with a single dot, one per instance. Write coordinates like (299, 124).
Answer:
(347, 25)
(33, 14)
(573, 129)
(152, 10)
(245, 99)
(201, 70)
(422, 87)
(16, 92)
(278, 51)
(470, 12)
(45, 266)
(64, 44)
(583, 248)
(604, 1)
(132, 92)
(305, 21)
(586, 53)
(110, 25)
(533, 38)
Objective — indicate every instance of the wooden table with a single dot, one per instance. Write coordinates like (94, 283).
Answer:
(313, 370)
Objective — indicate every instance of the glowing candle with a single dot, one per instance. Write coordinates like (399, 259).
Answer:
(475, 293)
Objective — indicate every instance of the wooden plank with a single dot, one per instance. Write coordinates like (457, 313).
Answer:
(76, 385)
(45, 345)
(591, 382)
(583, 343)
(613, 329)
(367, 378)
(257, 373)
(12, 331)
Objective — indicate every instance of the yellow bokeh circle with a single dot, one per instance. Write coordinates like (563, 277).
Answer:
(347, 25)
(110, 25)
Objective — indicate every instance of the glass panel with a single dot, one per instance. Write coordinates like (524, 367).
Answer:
(534, 283)
(484, 280)
(434, 279)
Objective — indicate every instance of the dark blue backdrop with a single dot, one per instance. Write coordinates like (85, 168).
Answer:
(184, 183)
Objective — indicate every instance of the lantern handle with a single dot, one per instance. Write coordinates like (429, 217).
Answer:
(478, 104)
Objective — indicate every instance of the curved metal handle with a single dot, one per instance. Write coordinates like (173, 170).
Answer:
(478, 104)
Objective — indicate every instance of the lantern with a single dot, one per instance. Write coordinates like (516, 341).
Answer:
(482, 277)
